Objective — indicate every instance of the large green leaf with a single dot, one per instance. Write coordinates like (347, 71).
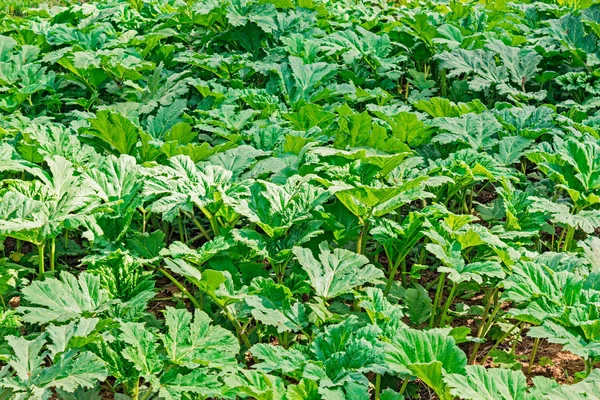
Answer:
(481, 383)
(27, 374)
(426, 355)
(117, 132)
(197, 343)
(273, 304)
(338, 272)
(64, 299)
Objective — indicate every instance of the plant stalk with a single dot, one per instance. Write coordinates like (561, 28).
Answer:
(180, 287)
(41, 259)
(438, 297)
(377, 386)
(52, 253)
(447, 304)
(536, 345)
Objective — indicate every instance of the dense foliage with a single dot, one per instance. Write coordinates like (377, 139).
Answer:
(299, 199)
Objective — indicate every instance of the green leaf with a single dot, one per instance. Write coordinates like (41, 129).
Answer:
(256, 385)
(276, 208)
(481, 383)
(307, 76)
(236, 160)
(411, 347)
(66, 299)
(166, 118)
(338, 272)
(586, 220)
(426, 355)
(418, 304)
(196, 343)
(30, 374)
(511, 149)
(142, 350)
(274, 305)
(305, 390)
(174, 385)
(347, 350)
(478, 131)
(276, 358)
(120, 134)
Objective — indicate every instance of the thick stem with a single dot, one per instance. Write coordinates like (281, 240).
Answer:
(536, 344)
(361, 243)
(214, 224)
(443, 89)
(560, 239)
(485, 324)
(136, 390)
(181, 233)
(589, 364)
(447, 304)
(180, 287)
(403, 276)
(199, 226)
(404, 385)
(143, 221)
(393, 268)
(238, 328)
(52, 253)
(280, 271)
(438, 297)
(377, 386)
(41, 259)
(390, 280)
(148, 394)
(569, 238)
(500, 340)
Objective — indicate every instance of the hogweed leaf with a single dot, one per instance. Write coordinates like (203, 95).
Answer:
(338, 272)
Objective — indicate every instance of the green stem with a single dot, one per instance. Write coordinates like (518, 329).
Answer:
(393, 267)
(198, 225)
(136, 390)
(143, 221)
(481, 327)
(437, 299)
(536, 344)
(404, 385)
(390, 280)
(500, 340)
(181, 233)
(147, 394)
(433, 283)
(377, 386)
(52, 253)
(443, 90)
(589, 364)
(403, 276)
(560, 239)
(180, 287)
(569, 238)
(447, 304)
(41, 259)
(238, 328)
(214, 224)
(280, 271)
(361, 243)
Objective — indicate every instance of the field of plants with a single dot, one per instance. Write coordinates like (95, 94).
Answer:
(300, 200)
